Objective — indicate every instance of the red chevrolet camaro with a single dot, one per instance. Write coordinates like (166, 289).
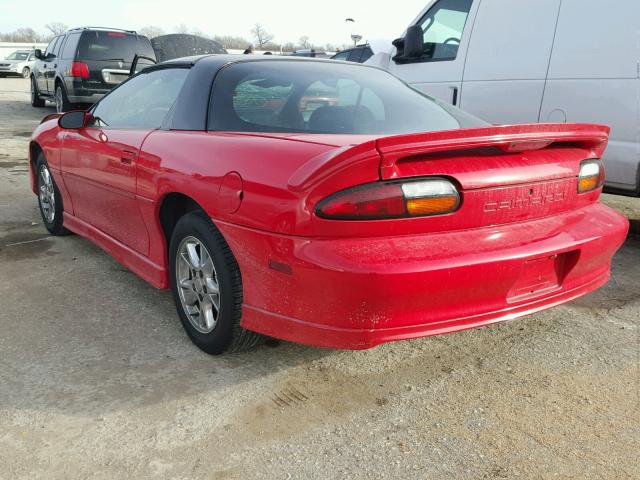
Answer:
(374, 214)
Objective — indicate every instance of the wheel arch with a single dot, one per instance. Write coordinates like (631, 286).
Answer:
(34, 152)
(174, 206)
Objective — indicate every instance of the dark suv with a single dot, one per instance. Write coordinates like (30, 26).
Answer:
(83, 64)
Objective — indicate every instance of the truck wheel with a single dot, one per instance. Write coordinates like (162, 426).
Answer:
(36, 101)
(62, 102)
(26, 72)
(207, 287)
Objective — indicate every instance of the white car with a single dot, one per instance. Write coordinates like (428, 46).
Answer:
(529, 61)
(19, 62)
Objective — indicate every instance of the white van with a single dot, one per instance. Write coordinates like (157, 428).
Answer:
(521, 61)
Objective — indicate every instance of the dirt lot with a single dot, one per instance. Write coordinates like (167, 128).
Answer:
(98, 380)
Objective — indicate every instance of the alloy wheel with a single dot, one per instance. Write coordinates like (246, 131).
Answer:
(197, 283)
(46, 194)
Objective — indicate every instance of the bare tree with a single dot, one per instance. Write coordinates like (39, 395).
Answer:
(151, 31)
(229, 41)
(261, 36)
(304, 42)
(182, 28)
(22, 35)
(56, 28)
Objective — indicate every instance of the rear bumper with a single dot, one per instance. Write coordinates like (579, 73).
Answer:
(358, 293)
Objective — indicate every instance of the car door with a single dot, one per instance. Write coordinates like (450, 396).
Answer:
(99, 161)
(43, 67)
(446, 27)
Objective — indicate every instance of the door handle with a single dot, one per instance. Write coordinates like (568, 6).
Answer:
(127, 157)
(454, 100)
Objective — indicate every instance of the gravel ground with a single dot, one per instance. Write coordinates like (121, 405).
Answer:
(98, 380)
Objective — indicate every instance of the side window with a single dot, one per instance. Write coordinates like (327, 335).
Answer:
(70, 46)
(442, 28)
(51, 46)
(367, 53)
(142, 102)
(341, 55)
(354, 55)
(57, 46)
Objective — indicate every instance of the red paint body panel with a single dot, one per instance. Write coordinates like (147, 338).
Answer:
(379, 289)
(522, 240)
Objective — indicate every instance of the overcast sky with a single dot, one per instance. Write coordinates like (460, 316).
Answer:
(321, 20)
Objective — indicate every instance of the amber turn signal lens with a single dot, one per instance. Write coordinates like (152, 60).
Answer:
(587, 184)
(591, 176)
(432, 206)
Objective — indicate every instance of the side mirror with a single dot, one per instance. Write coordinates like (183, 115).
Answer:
(38, 54)
(73, 120)
(411, 47)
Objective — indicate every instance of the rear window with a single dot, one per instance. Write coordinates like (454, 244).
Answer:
(315, 97)
(99, 45)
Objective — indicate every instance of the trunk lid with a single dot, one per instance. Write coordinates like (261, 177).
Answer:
(505, 173)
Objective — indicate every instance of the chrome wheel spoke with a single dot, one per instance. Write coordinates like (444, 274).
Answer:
(192, 253)
(209, 317)
(212, 285)
(214, 298)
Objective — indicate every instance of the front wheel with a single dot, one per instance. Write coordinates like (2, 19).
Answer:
(49, 199)
(207, 287)
(36, 101)
(26, 72)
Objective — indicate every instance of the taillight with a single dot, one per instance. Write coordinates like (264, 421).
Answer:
(79, 69)
(373, 201)
(591, 175)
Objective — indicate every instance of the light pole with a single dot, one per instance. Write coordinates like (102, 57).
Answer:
(354, 36)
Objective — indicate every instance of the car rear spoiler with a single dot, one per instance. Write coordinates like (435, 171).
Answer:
(508, 138)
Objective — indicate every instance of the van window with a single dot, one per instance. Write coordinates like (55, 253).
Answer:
(442, 28)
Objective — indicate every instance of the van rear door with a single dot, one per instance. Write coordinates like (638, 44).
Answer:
(594, 77)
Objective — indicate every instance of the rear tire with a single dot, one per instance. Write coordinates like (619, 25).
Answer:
(36, 101)
(49, 199)
(26, 72)
(201, 263)
(62, 102)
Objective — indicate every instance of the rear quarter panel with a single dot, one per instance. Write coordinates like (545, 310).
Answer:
(194, 164)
